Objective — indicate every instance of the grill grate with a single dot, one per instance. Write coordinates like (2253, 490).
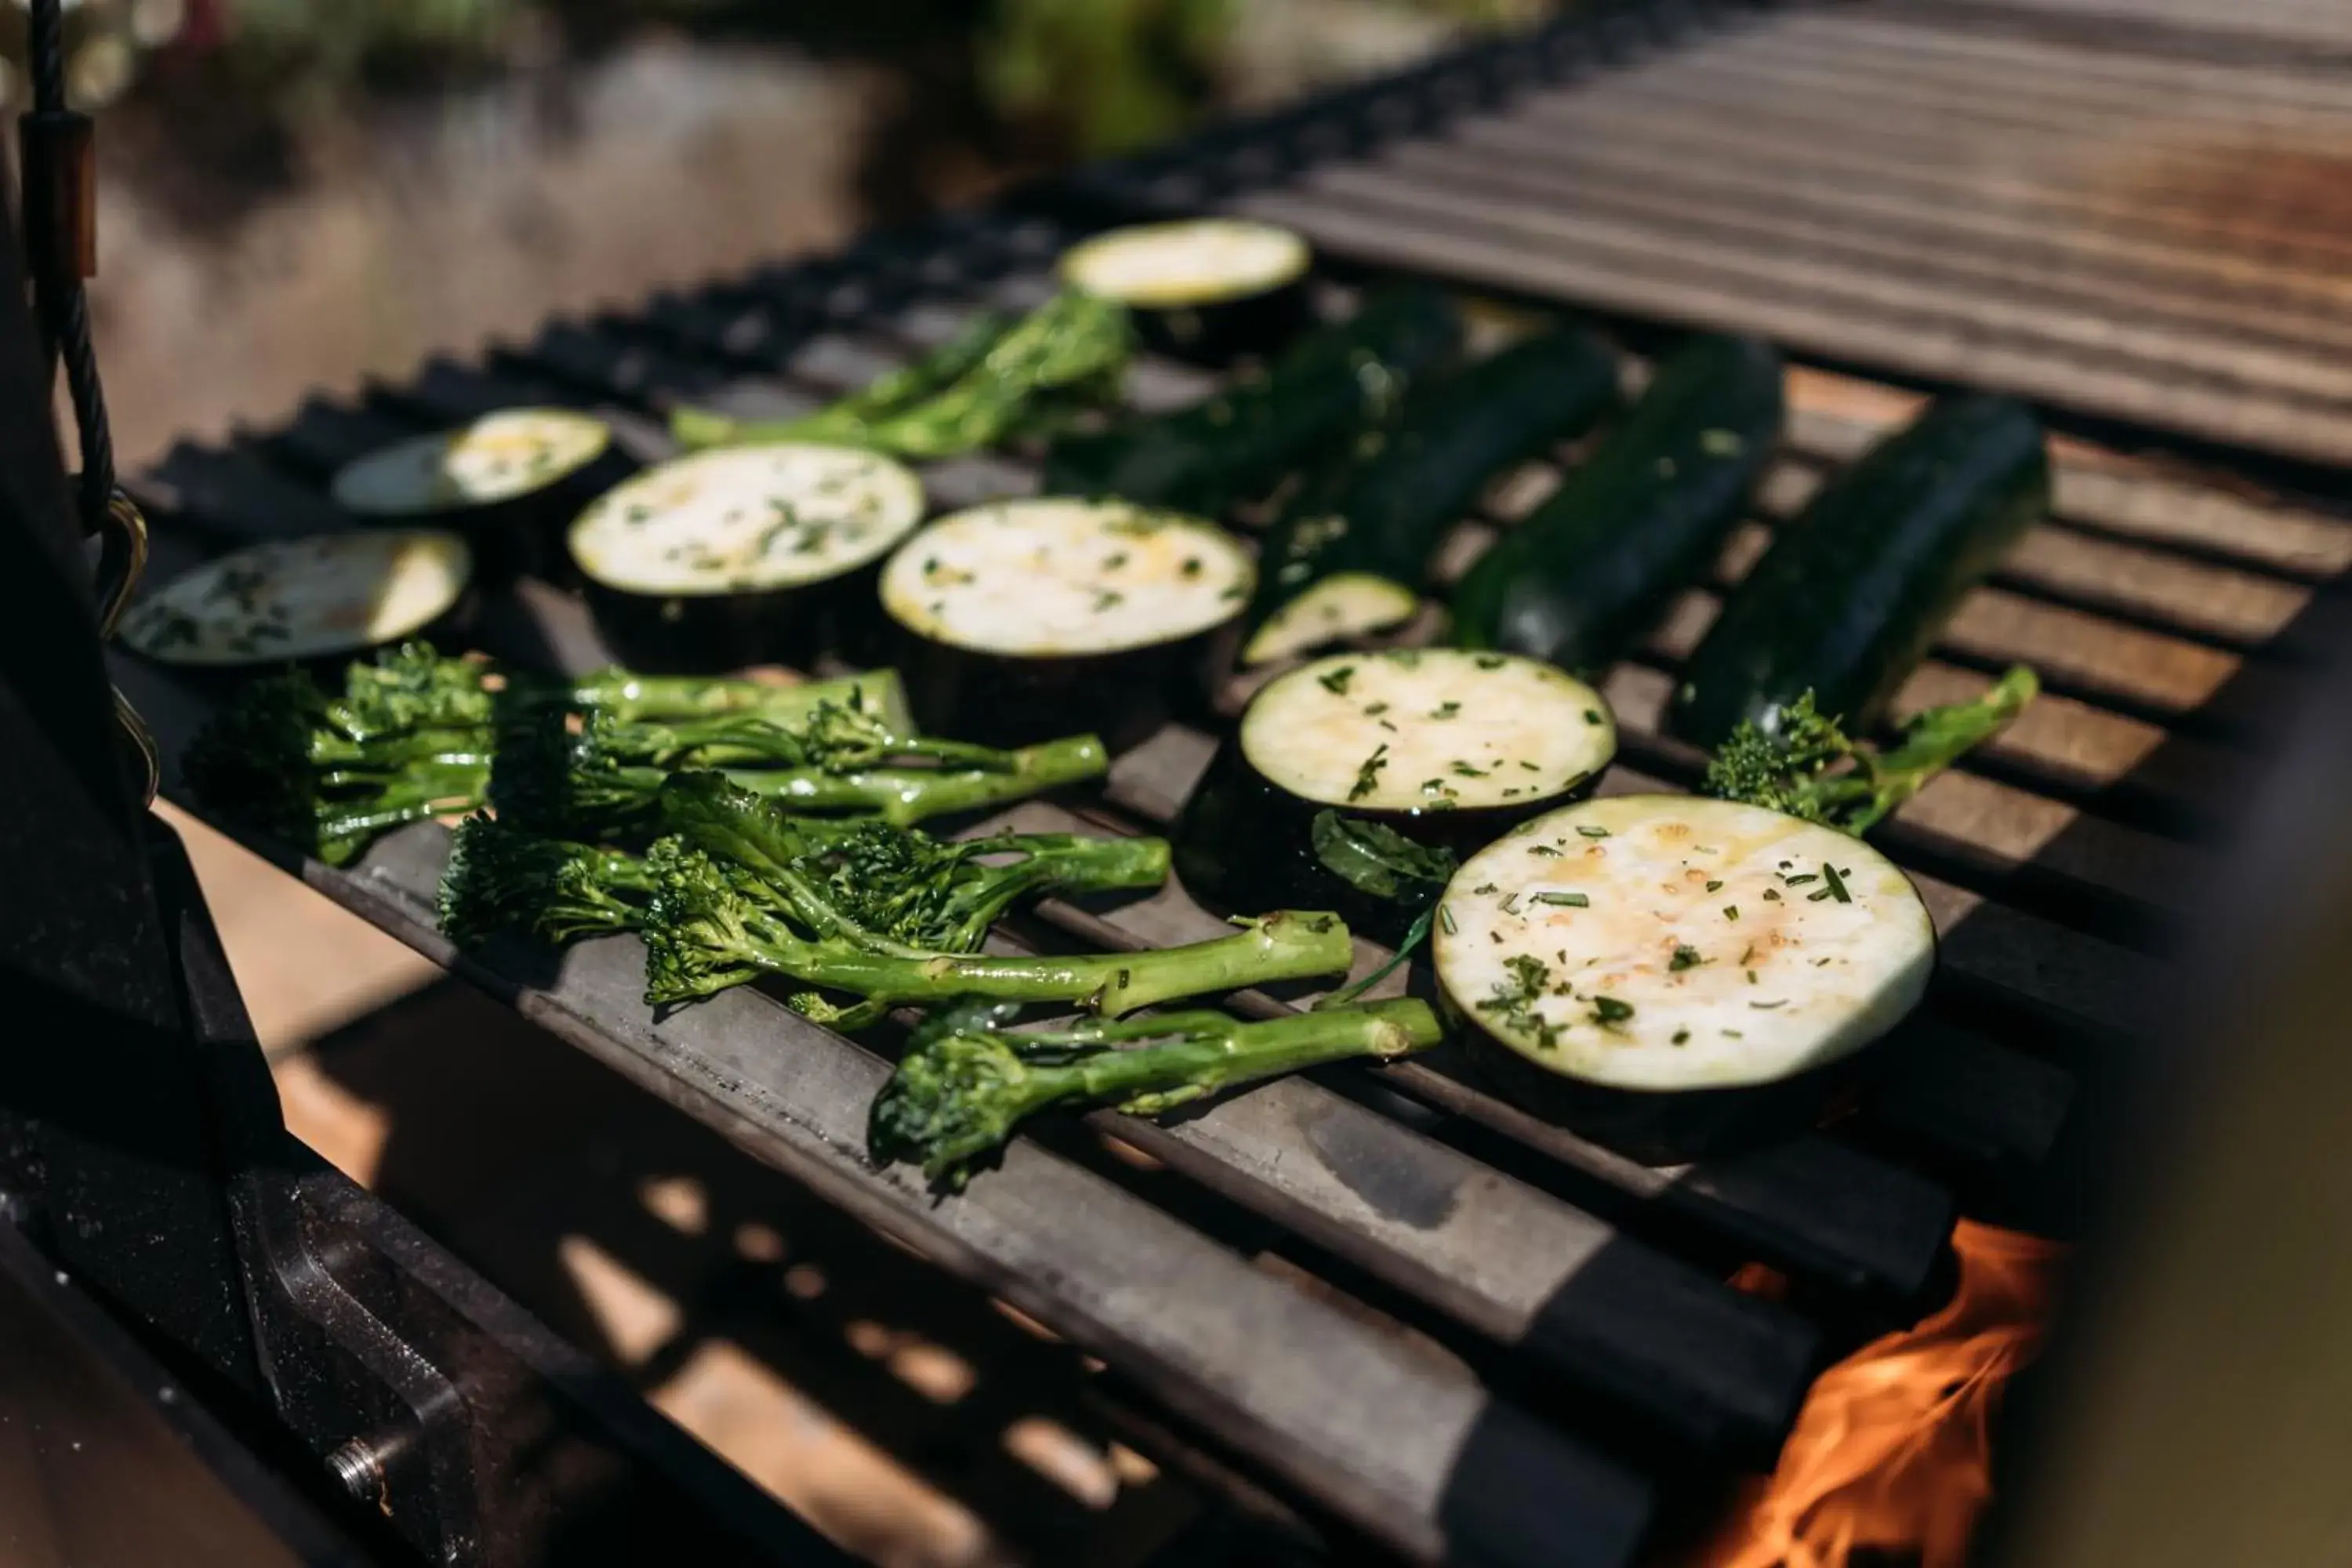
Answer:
(2132, 238)
(1591, 1360)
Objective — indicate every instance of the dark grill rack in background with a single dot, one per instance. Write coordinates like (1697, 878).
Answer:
(1593, 1362)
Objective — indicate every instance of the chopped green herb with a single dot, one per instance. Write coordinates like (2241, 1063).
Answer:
(1464, 771)
(1715, 886)
(1446, 710)
(1368, 777)
(1681, 1036)
(1191, 567)
(1773, 895)
(1593, 716)
(1545, 851)
(1484, 888)
(1374, 710)
(1801, 881)
(1569, 901)
(1445, 918)
(1685, 957)
(1608, 1012)
(1489, 661)
(1336, 682)
(1592, 832)
(1529, 766)
(1837, 883)
(1767, 1006)
(1731, 911)
(1108, 599)
(1515, 1000)
(1113, 563)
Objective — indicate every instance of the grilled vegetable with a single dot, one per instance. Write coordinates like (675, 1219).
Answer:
(1021, 618)
(1201, 289)
(1851, 595)
(1240, 444)
(302, 599)
(968, 1077)
(897, 883)
(507, 481)
(1670, 972)
(1592, 567)
(746, 555)
(1348, 555)
(413, 734)
(971, 393)
(1806, 766)
(1352, 782)
(731, 904)
(603, 779)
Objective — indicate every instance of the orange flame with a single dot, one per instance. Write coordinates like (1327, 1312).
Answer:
(1892, 1451)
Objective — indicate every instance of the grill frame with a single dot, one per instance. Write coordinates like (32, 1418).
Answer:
(2054, 862)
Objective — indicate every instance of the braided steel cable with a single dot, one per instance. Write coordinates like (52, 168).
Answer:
(64, 301)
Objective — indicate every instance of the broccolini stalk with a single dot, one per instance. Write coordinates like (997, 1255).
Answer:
(1074, 344)
(706, 932)
(1809, 767)
(502, 878)
(885, 396)
(604, 781)
(414, 688)
(898, 883)
(270, 760)
(967, 1079)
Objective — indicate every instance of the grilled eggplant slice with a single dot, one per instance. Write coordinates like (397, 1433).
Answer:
(1670, 974)
(744, 556)
(1441, 749)
(317, 599)
(509, 481)
(1021, 620)
(1208, 290)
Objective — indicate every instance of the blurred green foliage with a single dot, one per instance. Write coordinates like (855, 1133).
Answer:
(1107, 75)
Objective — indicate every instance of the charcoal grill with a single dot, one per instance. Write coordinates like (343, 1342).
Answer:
(1849, 182)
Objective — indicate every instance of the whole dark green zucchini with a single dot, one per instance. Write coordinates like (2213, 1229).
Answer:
(1593, 566)
(1347, 557)
(1848, 599)
(1238, 445)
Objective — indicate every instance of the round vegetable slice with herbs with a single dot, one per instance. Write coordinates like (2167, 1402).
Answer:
(1024, 619)
(744, 554)
(1353, 783)
(509, 479)
(324, 596)
(1668, 970)
(1206, 288)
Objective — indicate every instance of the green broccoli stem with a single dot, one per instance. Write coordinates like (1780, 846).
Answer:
(904, 796)
(416, 794)
(1289, 944)
(1210, 1052)
(673, 699)
(1933, 741)
(899, 389)
(1062, 862)
(967, 1080)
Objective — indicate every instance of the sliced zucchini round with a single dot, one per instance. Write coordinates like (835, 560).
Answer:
(496, 458)
(509, 481)
(1446, 748)
(1205, 288)
(1037, 617)
(743, 554)
(1663, 949)
(330, 595)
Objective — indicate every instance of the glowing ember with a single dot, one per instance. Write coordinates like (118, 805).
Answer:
(1892, 1451)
